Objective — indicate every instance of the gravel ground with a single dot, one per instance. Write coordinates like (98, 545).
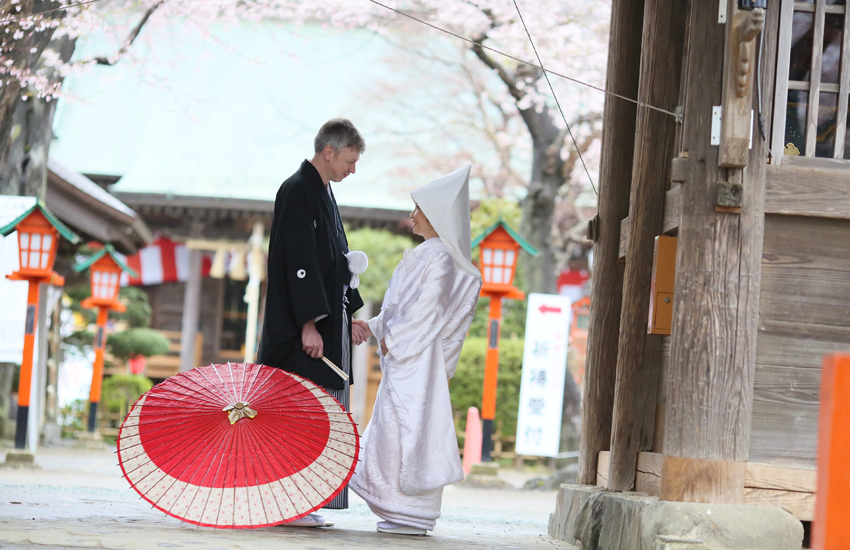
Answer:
(79, 500)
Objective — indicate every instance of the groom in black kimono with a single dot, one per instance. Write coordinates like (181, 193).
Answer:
(309, 302)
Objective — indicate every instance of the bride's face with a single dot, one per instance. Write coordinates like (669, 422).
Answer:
(421, 225)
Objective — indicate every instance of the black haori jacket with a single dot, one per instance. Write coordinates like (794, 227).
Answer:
(307, 277)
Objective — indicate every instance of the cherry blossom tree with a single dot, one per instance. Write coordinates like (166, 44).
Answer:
(38, 38)
(571, 38)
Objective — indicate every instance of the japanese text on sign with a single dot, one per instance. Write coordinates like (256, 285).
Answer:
(544, 367)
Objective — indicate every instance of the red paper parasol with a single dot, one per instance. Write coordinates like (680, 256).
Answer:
(238, 446)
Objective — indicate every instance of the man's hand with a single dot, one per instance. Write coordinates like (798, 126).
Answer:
(360, 331)
(311, 340)
(384, 349)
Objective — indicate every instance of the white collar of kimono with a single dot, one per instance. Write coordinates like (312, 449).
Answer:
(445, 202)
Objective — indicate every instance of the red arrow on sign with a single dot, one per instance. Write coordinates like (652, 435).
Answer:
(544, 309)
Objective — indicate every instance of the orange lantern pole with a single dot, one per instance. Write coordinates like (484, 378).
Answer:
(106, 270)
(500, 247)
(97, 371)
(38, 230)
(491, 375)
(25, 380)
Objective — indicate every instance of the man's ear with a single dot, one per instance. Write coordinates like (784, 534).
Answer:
(328, 153)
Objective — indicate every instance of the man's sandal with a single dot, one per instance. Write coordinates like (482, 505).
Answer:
(310, 520)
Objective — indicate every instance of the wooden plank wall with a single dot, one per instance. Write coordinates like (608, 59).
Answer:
(804, 314)
(166, 302)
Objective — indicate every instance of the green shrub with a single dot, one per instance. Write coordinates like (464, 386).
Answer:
(122, 390)
(137, 341)
(468, 383)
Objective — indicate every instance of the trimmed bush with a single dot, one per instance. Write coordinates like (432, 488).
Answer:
(137, 341)
(468, 383)
(122, 390)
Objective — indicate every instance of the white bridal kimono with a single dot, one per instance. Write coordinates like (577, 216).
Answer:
(409, 450)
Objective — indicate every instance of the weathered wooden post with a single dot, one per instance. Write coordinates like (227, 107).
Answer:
(639, 357)
(715, 307)
(615, 178)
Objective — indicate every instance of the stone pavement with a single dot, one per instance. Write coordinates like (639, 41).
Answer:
(79, 500)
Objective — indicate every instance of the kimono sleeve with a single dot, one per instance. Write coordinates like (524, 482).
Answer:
(422, 315)
(376, 325)
(301, 253)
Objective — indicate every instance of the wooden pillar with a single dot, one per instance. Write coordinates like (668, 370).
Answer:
(360, 370)
(191, 312)
(615, 177)
(252, 292)
(638, 360)
(715, 308)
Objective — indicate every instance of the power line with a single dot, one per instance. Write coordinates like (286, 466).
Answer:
(530, 64)
(48, 11)
(558, 103)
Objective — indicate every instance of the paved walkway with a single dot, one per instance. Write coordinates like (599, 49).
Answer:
(79, 500)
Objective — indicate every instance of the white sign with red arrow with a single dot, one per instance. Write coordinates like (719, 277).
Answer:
(544, 367)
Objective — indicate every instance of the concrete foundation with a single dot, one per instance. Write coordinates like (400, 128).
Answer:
(591, 518)
(17, 458)
(484, 475)
(89, 440)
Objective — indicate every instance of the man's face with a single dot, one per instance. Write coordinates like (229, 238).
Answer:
(341, 164)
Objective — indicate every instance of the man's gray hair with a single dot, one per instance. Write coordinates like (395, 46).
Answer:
(339, 133)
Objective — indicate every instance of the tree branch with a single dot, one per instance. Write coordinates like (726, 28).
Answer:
(101, 60)
(485, 58)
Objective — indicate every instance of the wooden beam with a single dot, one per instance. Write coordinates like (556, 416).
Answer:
(191, 312)
(602, 466)
(764, 484)
(648, 473)
(801, 505)
(715, 307)
(615, 178)
(625, 234)
(783, 64)
(699, 480)
(670, 224)
(742, 29)
(639, 354)
(815, 89)
(804, 191)
(783, 478)
(844, 84)
(671, 211)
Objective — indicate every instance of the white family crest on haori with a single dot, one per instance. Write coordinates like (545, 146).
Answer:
(409, 449)
(237, 446)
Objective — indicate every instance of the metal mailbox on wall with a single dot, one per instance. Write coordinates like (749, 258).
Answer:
(663, 281)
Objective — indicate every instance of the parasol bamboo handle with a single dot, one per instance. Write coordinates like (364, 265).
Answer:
(336, 369)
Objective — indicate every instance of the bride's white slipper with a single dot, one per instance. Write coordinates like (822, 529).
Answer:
(396, 529)
(310, 520)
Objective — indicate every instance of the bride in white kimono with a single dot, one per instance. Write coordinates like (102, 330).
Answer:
(409, 450)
